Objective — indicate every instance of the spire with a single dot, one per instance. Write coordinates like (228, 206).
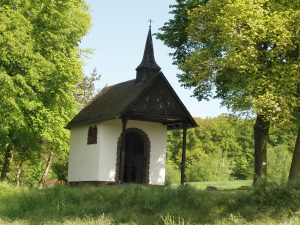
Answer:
(148, 64)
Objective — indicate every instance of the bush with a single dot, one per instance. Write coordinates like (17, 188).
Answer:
(172, 173)
(279, 162)
(211, 167)
(278, 194)
(60, 169)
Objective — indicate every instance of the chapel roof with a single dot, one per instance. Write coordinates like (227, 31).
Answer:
(149, 97)
(109, 103)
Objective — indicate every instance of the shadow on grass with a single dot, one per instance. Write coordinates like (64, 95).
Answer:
(142, 204)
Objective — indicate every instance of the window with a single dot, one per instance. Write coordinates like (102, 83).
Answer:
(92, 135)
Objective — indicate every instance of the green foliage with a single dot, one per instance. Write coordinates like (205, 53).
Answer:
(30, 175)
(172, 173)
(174, 33)
(279, 159)
(223, 142)
(243, 52)
(222, 148)
(209, 168)
(40, 68)
(279, 194)
(60, 169)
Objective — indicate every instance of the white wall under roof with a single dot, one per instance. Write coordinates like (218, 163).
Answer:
(98, 162)
(83, 158)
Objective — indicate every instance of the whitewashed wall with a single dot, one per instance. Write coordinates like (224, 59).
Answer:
(105, 152)
(157, 134)
(83, 158)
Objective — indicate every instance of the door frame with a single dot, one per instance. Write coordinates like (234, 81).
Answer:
(146, 155)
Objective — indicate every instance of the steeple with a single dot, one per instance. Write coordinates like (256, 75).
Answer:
(148, 66)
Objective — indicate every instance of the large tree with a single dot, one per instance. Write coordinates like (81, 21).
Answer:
(40, 67)
(239, 54)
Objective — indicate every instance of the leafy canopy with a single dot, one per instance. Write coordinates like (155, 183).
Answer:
(245, 52)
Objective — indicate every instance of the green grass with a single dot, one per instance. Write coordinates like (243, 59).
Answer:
(135, 204)
(223, 185)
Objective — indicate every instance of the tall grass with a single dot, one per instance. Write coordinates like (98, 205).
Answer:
(136, 204)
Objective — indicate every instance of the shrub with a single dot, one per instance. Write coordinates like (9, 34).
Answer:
(279, 162)
(211, 167)
(278, 195)
(172, 173)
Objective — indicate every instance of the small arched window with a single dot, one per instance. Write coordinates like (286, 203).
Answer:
(92, 135)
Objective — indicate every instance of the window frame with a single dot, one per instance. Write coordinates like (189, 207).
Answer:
(92, 135)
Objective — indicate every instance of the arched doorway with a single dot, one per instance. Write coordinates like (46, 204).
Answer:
(137, 157)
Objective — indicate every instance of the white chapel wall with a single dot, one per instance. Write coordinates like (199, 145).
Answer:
(84, 158)
(110, 133)
(157, 134)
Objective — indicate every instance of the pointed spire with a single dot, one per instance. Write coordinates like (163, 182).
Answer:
(148, 63)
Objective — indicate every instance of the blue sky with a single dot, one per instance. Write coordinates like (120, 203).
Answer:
(117, 38)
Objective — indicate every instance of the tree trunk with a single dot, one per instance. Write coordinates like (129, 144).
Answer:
(19, 171)
(8, 159)
(261, 133)
(295, 166)
(45, 173)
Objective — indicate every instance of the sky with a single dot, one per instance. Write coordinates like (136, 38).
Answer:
(117, 39)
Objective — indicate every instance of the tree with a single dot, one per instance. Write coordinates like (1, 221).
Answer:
(239, 55)
(86, 89)
(17, 72)
(40, 68)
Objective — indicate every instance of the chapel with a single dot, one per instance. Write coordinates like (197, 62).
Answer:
(120, 136)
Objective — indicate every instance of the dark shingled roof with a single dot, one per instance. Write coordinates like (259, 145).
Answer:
(116, 101)
(110, 102)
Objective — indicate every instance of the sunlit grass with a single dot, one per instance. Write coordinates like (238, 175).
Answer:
(137, 204)
(223, 185)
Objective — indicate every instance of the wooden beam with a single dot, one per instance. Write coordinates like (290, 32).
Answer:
(122, 153)
(155, 117)
(183, 158)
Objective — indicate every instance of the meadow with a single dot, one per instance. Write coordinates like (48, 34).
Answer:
(235, 202)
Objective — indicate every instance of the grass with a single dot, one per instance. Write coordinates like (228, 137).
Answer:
(136, 204)
(223, 185)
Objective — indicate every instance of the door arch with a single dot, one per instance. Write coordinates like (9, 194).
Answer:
(137, 157)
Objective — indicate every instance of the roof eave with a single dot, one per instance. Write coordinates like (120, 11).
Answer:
(92, 121)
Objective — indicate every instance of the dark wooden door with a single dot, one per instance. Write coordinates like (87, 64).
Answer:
(134, 155)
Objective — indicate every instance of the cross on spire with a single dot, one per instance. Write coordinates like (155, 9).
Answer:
(150, 21)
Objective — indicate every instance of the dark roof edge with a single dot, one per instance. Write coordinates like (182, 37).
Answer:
(192, 120)
(86, 122)
(102, 92)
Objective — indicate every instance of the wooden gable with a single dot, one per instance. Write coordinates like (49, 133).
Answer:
(160, 103)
